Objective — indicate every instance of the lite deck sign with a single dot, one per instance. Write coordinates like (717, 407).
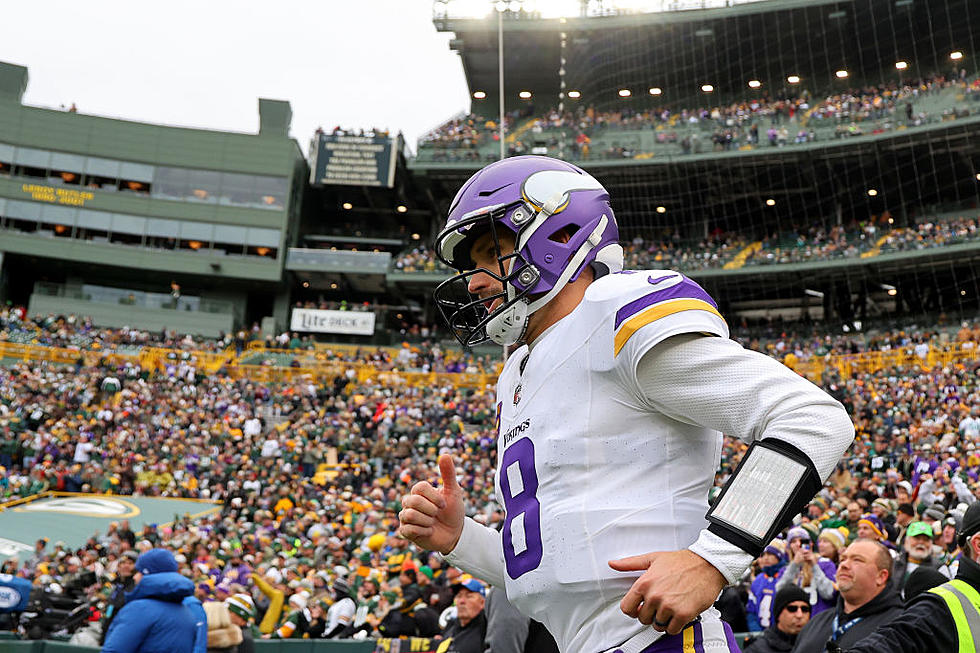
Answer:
(349, 322)
(54, 195)
(352, 160)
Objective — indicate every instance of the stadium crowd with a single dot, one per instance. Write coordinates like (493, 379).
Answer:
(761, 121)
(794, 245)
(313, 551)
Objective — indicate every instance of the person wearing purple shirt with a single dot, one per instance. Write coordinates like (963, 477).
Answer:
(236, 571)
(924, 463)
(813, 574)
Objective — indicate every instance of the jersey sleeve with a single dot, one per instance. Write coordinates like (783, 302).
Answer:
(651, 306)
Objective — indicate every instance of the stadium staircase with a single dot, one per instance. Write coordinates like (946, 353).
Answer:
(876, 249)
(743, 256)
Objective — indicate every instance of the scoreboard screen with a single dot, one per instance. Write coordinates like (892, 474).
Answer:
(342, 160)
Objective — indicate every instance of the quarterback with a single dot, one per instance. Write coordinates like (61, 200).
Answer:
(610, 414)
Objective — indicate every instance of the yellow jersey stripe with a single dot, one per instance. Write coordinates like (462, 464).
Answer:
(689, 639)
(654, 313)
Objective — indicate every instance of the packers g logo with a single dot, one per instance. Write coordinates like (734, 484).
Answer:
(84, 506)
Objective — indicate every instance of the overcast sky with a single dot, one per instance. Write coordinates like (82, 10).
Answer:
(204, 63)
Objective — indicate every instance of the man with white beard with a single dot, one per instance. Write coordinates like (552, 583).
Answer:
(917, 552)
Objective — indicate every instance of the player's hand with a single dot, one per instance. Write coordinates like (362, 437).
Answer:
(675, 587)
(431, 518)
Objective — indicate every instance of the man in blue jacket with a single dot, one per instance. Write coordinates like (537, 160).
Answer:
(156, 617)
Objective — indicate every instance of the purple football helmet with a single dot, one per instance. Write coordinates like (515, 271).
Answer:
(533, 198)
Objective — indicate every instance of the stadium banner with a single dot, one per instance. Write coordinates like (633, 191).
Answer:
(411, 645)
(343, 160)
(321, 321)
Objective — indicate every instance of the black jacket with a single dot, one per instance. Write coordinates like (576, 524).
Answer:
(466, 639)
(900, 572)
(926, 625)
(771, 641)
(879, 611)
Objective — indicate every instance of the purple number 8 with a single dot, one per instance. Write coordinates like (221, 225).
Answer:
(523, 503)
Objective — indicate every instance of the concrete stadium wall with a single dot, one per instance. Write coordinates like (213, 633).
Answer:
(139, 317)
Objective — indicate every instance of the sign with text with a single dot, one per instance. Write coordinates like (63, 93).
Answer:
(343, 160)
(320, 321)
(53, 195)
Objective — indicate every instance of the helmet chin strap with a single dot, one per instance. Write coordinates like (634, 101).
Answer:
(508, 326)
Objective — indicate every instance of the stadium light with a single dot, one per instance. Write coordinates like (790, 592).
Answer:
(770, 202)
(890, 289)
(901, 65)
(415, 236)
(754, 83)
(978, 176)
(306, 284)
(813, 293)
(793, 79)
(401, 208)
(707, 88)
(574, 95)
(661, 209)
(656, 90)
(524, 95)
(348, 206)
(625, 92)
(333, 286)
(872, 192)
(841, 74)
(956, 56)
(479, 95)
(962, 292)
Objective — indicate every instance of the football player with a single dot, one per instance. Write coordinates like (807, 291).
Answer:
(610, 415)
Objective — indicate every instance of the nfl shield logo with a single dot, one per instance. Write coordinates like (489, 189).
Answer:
(517, 394)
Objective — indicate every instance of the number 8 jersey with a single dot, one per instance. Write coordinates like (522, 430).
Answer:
(588, 472)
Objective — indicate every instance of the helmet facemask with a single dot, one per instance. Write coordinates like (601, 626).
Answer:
(468, 316)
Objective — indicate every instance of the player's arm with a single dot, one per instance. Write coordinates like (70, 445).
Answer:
(794, 427)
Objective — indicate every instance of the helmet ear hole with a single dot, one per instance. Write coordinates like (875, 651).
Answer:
(564, 234)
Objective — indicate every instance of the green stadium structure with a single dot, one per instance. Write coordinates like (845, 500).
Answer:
(145, 225)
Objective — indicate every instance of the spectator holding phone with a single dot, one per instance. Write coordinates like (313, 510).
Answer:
(813, 574)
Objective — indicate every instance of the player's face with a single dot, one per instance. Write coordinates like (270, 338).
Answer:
(485, 256)
(793, 617)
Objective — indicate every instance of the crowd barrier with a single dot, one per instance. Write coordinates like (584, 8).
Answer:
(315, 367)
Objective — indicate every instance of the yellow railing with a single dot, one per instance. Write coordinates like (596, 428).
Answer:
(316, 368)
(869, 362)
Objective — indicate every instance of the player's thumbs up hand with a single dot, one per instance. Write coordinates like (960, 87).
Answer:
(675, 587)
(433, 518)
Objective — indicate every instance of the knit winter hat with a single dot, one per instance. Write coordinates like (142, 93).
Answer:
(242, 605)
(834, 536)
(875, 524)
(786, 596)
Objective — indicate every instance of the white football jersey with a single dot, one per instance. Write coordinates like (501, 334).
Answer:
(587, 470)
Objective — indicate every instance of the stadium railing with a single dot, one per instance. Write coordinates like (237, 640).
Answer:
(152, 358)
